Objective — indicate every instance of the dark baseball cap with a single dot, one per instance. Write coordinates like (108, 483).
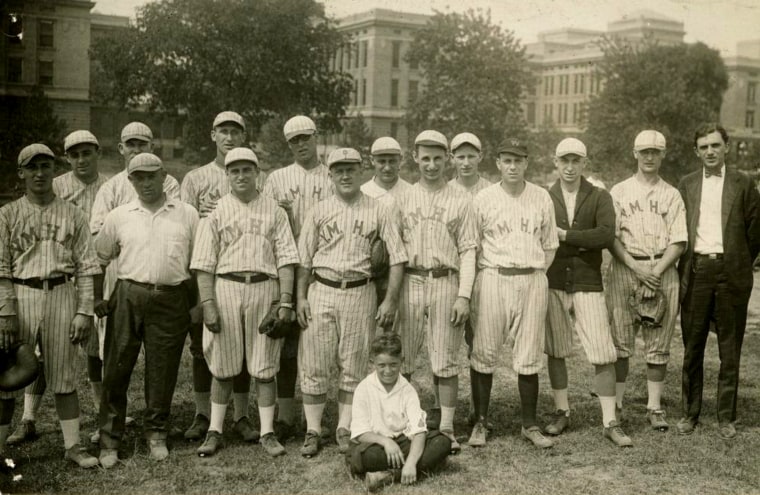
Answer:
(513, 146)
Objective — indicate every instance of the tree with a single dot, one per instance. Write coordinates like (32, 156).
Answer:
(475, 73)
(668, 88)
(261, 58)
(358, 135)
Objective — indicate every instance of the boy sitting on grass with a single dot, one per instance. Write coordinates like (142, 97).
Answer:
(389, 438)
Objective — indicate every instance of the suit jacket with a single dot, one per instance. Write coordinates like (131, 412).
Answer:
(740, 222)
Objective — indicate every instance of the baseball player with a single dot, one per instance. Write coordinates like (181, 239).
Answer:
(340, 314)
(297, 188)
(44, 245)
(585, 226)
(466, 155)
(438, 228)
(518, 238)
(386, 185)
(78, 187)
(202, 189)
(650, 236)
(152, 237)
(245, 259)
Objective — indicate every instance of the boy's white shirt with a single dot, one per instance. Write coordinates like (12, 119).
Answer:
(389, 414)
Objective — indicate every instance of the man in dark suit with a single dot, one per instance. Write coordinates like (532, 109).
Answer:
(723, 220)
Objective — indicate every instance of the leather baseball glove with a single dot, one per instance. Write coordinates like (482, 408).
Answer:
(274, 327)
(18, 367)
(379, 259)
(649, 311)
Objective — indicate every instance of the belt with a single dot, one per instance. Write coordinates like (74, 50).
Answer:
(646, 258)
(711, 256)
(157, 287)
(434, 273)
(247, 279)
(342, 284)
(515, 271)
(42, 283)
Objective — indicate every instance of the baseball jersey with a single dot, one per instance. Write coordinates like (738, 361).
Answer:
(436, 226)
(474, 190)
(305, 188)
(337, 236)
(69, 188)
(648, 218)
(206, 183)
(374, 190)
(515, 232)
(118, 191)
(244, 237)
(389, 414)
(45, 241)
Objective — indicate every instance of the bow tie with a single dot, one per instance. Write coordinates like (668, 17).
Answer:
(709, 173)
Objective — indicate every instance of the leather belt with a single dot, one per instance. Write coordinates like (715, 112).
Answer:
(42, 283)
(343, 284)
(647, 258)
(247, 279)
(434, 273)
(156, 287)
(711, 256)
(515, 271)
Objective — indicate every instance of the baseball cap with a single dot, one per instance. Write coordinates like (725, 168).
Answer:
(343, 155)
(300, 124)
(513, 146)
(466, 138)
(649, 139)
(136, 130)
(29, 152)
(570, 146)
(385, 146)
(144, 162)
(79, 137)
(431, 138)
(224, 117)
(241, 155)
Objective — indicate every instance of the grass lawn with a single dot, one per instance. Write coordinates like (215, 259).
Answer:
(581, 462)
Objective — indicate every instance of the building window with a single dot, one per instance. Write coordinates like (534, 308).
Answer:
(394, 92)
(348, 55)
(582, 82)
(45, 73)
(356, 92)
(751, 92)
(15, 65)
(749, 119)
(413, 89)
(394, 130)
(356, 54)
(46, 33)
(396, 55)
(575, 113)
(364, 53)
(531, 113)
(414, 64)
(364, 92)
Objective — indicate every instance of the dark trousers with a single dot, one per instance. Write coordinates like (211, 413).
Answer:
(370, 457)
(158, 320)
(707, 299)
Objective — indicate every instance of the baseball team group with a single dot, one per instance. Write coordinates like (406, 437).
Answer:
(136, 263)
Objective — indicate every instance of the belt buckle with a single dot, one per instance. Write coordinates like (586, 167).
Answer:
(713, 256)
(247, 278)
(46, 284)
(343, 284)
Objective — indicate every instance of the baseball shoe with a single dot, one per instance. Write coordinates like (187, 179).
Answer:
(727, 431)
(79, 455)
(376, 480)
(472, 420)
(686, 426)
(559, 424)
(95, 437)
(310, 444)
(478, 435)
(108, 458)
(271, 445)
(158, 450)
(25, 432)
(244, 428)
(212, 443)
(536, 437)
(455, 447)
(657, 419)
(343, 437)
(284, 430)
(434, 418)
(615, 433)
(198, 429)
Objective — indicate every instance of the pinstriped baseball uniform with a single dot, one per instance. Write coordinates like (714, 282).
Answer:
(335, 242)
(47, 242)
(474, 190)
(243, 237)
(649, 219)
(437, 226)
(204, 184)
(374, 190)
(514, 233)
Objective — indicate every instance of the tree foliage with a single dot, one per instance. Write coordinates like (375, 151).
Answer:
(475, 74)
(261, 58)
(668, 88)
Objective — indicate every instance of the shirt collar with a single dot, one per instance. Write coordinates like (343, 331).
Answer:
(400, 384)
(169, 204)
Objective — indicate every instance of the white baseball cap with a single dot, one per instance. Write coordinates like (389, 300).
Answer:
(385, 146)
(570, 146)
(649, 140)
(224, 117)
(144, 162)
(431, 138)
(240, 155)
(79, 137)
(343, 155)
(136, 130)
(29, 152)
(300, 124)
(466, 138)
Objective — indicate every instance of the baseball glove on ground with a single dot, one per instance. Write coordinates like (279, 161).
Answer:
(274, 327)
(379, 258)
(18, 367)
(649, 311)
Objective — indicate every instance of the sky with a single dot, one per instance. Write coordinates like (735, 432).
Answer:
(718, 23)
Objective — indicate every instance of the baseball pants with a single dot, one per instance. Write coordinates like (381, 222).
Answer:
(366, 457)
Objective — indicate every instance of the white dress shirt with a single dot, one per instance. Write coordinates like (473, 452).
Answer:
(709, 238)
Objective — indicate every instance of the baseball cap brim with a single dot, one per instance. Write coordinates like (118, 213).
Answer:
(513, 151)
